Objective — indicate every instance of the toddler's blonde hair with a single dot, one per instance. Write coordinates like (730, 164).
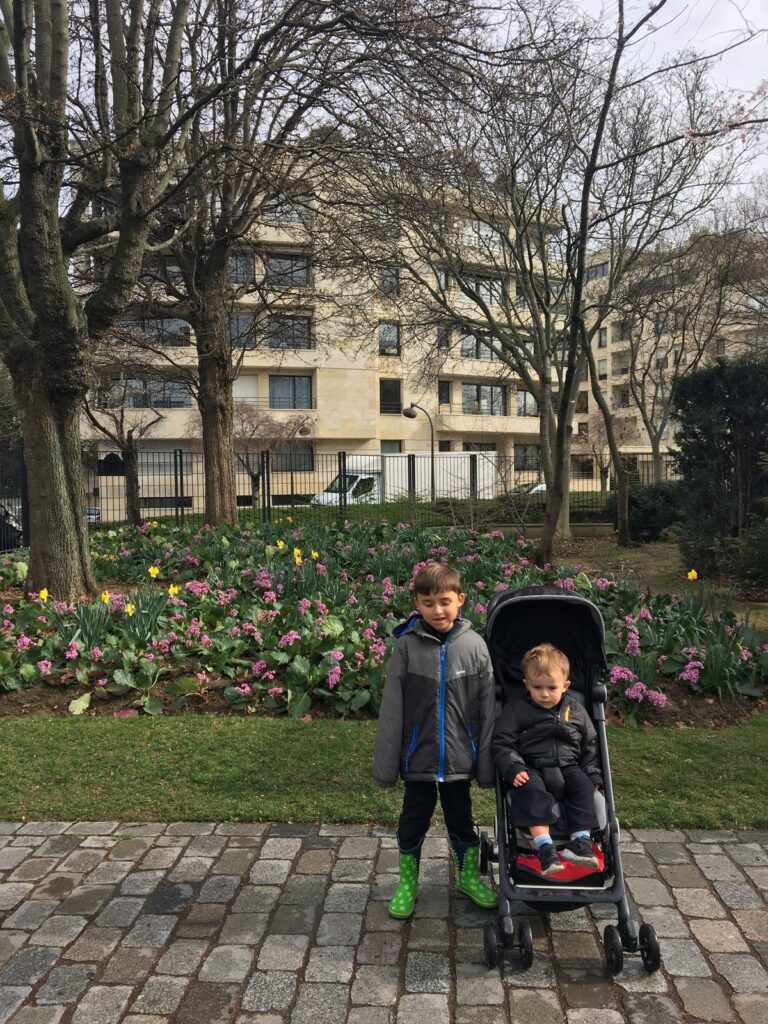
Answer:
(543, 658)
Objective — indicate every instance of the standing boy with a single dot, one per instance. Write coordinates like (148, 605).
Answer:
(434, 730)
(545, 746)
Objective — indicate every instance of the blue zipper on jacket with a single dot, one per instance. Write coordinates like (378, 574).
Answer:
(441, 720)
(412, 747)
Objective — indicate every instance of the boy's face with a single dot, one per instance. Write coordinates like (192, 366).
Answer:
(441, 609)
(547, 688)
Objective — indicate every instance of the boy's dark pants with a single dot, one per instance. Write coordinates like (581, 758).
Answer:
(534, 802)
(419, 803)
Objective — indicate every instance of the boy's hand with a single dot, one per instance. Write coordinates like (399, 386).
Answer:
(520, 779)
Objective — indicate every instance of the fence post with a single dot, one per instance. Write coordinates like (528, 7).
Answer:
(411, 465)
(266, 487)
(178, 484)
(473, 476)
(25, 537)
(342, 460)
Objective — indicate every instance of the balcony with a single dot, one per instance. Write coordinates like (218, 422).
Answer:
(469, 418)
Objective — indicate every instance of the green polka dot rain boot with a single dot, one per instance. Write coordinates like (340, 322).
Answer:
(466, 860)
(401, 904)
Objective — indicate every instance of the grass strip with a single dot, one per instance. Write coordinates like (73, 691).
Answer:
(207, 768)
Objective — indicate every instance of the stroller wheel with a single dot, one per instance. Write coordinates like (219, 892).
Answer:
(525, 937)
(490, 945)
(649, 948)
(484, 852)
(612, 949)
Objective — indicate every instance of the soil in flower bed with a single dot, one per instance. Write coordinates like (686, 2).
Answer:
(683, 710)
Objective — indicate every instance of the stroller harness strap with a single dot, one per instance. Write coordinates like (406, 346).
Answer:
(546, 762)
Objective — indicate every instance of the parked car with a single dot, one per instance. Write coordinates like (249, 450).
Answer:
(10, 529)
(93, 514)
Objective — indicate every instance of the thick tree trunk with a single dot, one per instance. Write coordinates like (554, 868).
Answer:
(622, 504)
(132, 485)
(216, 407)
(658, 461)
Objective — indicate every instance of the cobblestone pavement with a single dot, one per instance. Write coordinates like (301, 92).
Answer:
(204, 923)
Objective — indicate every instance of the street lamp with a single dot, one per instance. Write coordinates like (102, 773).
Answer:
(410, 413)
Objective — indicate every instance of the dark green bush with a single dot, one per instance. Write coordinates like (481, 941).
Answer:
(752, 560)
(653, 509)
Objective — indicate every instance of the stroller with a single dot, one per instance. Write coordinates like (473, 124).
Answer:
(518, 620)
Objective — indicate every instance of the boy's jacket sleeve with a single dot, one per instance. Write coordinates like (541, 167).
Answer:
(486, 773)
(389, 730)
(504, 747)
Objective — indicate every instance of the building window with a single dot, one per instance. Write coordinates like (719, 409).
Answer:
(299, 457)
(582, 402)
(488, 289)
(598, 270)
(157, 394)
(479, 446)
(662, 362)
(293, 392)
(582, 467)
(240, 268)
(444, 392)
(391, 447)
(443, 280)
(285, 270)
(445, 446)
(619, 367)
(389, 225)
(484, 399)
(719, 346)
(284, 331)
(390, 398)
(240, 331)
(388, 281)
(526, 404)
(170, 332)
(622, 398)
(282, 210)
(625, 331)
(602, 338)
(527, 457)
(602, 369)
(479, 234)
(478, 346)
(444, 337)
(583, 430)
(389, 339)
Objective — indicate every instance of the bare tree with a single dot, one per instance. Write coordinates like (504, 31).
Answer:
(592, 441)
(257, 431)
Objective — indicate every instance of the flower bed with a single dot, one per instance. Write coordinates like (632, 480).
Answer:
(299, 620)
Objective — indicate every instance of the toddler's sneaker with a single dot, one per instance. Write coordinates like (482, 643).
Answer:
(579, 851)
(549, 860)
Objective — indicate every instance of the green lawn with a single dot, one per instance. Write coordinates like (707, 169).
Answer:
(206, 768)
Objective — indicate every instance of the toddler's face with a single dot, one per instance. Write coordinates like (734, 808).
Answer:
(441, 609)
(547, 688)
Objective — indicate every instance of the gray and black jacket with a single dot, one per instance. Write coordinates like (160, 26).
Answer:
(530, 736)
(438, 708)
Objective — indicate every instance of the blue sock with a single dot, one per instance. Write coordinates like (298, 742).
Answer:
(540, 841)
(580, 835)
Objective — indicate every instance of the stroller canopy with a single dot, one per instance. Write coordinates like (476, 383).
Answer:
(521, 619)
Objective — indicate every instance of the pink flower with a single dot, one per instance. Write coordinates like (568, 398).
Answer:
(288, 639)
(338, 655)
(44, 667)
(8, 609)
(622, 674)
(23, 643)
(72, 650)
(202, 677)
(304, 605)
(102, 681)
(334, 676)
(275, 691)
(270, 595)
(258, 667)
(96, 653)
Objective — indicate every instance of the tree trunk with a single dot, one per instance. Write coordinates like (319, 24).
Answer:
(622, 503)
(216, 407)
(658, 461)
(132, 486)
(563, 529)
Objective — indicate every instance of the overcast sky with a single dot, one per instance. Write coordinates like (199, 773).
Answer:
(706, 25)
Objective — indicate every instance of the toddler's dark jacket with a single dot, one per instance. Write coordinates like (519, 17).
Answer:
(530, 736)
(437, 709)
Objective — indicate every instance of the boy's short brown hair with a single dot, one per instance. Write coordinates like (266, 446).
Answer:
(434, 577)
(543, 658)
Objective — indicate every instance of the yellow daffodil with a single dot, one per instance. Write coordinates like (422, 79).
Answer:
(693, 575)
(130, 609)
(297, 556)
(315, 555)
(289, 519)
(43, 595)
(173, 590)
(105, 596)
(280, 545)
(154, 571)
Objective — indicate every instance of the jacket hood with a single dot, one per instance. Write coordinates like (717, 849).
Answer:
(415, 624)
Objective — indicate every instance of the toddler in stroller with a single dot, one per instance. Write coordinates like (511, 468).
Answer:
(580, 826)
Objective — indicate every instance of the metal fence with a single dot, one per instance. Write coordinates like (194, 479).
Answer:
(476, 489)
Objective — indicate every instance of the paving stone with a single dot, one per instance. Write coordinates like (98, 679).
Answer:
(182, 957)
(759, 877)
(244, 929)
(202, 921)
(343, 830)
(160, 995)
(683, 876)
(635, 978)
(426, 972)
(161, 858)
(270, 872)
(292, 828)
(749, 854)
(718, 936)
(320, 1004)
(711, 836)
(643, 1008)
(86, 899)
(753, 1009)
(304, 890)
(190, 828)
(150, 930)
(535, 1007)
(361, 848)
(206, 1003)
(11, 997)
(339, 930)
(109, 873)
(141, 883)
(59, 930)
(102, 1005)
(658, 835)
(130, 849)
(31, 914)
(667, 921)
(585, 987)
(433, 902)
(206, 846)
(191, 869)
(127, 966)
(234, 862)
(428, 933)
(97, 842)
(539, 975)
(668, 853)
(682, 957)
(574, 947)
(718, 867)
(477, 986)
(283, 952)
(12, 856)
(291, 920)
(347, 897)
(94, 944)
(141, 1018)
(219, 889)
(761, 948)
(279, 849)
(754, 923)
(143, 828)
(93, 828)
(594, 1017)
(703, 999)
(699, 903)
(371, 1015)
(82, 860)
(169, 898)
(7, 828)
(738, 895)
(227, 963)
(269, 991)
(638, 865)
(330, 964)
(28, 965)
(44, 828)
(571, 921)
(743, 973)
(376, 984)
(315, 862)
(10, 941)
(379, 948)
(38, 1015)
(435, 872)
(256, 899)
(649, 892)
(120, 912)
(65, 984)
(12, 893)
(240, 828)
(352, 870)
(377, 919)
(418, 1008)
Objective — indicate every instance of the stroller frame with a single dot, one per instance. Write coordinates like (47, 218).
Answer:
(555, 898)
